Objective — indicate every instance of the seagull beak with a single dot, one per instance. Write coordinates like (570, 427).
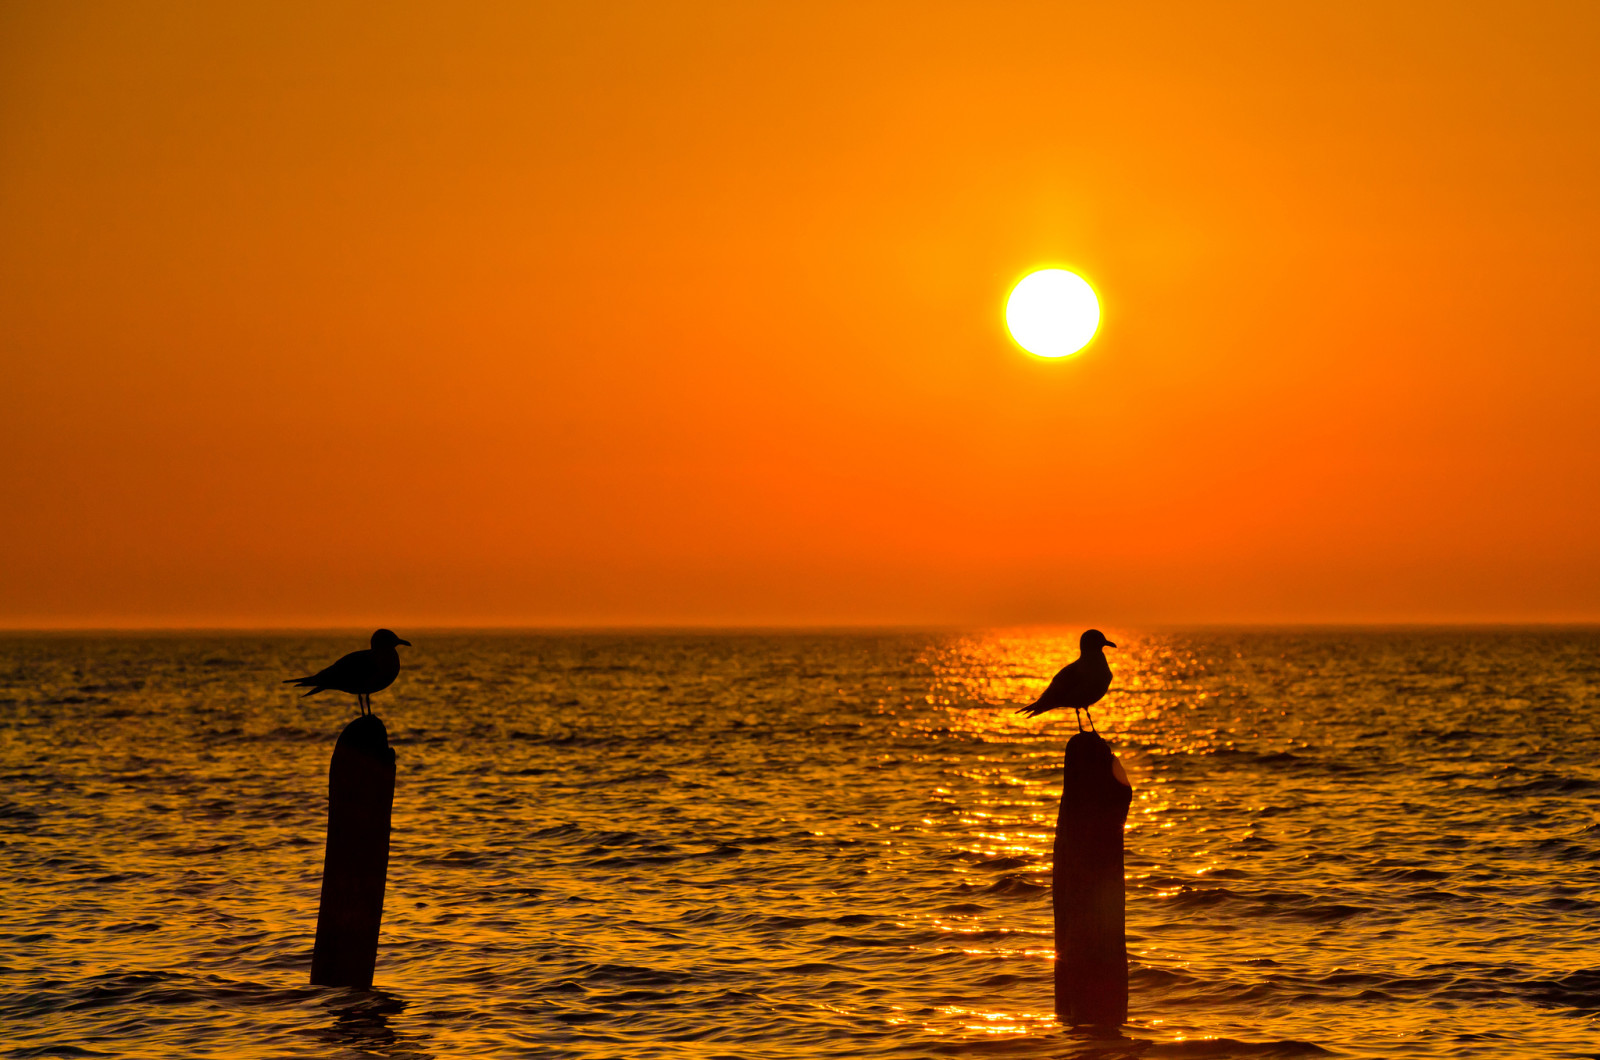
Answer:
(1109, 644)
(407, 643)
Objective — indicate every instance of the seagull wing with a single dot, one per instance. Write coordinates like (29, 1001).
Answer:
(1061, 692)
(350, 670)
(1081, 683)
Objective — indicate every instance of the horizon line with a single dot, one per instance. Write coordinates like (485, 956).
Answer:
(819, 627)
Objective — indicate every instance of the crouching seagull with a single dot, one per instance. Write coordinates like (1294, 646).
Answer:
(360, 673)
(1081, 683)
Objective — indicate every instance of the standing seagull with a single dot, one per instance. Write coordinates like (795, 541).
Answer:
(1081, 683)
(360, 673)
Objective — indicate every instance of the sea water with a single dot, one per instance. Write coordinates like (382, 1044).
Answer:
(1361, 844)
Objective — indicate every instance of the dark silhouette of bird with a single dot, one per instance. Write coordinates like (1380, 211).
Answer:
(1081, 683)
(360, 673)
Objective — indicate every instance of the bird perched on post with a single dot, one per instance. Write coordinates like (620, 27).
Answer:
(360, 673)
(1081, 683)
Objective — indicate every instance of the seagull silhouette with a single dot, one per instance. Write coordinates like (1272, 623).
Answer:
(1081, 683)
(360, 673)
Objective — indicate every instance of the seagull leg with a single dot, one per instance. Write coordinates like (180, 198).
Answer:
(1090, 712)
(1076, 713)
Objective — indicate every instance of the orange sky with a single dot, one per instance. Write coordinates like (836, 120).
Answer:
(692, 313)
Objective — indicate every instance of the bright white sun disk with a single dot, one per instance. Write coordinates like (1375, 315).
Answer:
(1052, 313)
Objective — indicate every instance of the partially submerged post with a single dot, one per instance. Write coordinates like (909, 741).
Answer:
(356, 864)
(1087, 886)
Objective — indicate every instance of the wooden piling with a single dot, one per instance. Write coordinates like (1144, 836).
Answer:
(1087, 886)
(355, 866)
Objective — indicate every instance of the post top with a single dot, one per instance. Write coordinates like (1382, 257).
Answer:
(1088, 754)
(365, 733)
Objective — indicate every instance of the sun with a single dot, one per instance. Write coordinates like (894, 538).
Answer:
(1052, 313)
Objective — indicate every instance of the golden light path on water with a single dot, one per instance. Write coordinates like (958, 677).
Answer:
(618, 845)
(980, 680)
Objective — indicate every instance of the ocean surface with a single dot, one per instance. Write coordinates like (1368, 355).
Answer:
(1356, 844)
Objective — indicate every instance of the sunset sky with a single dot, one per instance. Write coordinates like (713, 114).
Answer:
(652, 314)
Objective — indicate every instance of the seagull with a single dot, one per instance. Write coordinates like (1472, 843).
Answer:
(1081, 683)
(360, 673)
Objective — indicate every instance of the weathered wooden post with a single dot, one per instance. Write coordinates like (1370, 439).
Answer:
(355, 867)
(1087, 886)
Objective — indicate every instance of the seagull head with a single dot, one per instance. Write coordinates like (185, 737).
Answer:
(1093, 640)
(385, 638)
